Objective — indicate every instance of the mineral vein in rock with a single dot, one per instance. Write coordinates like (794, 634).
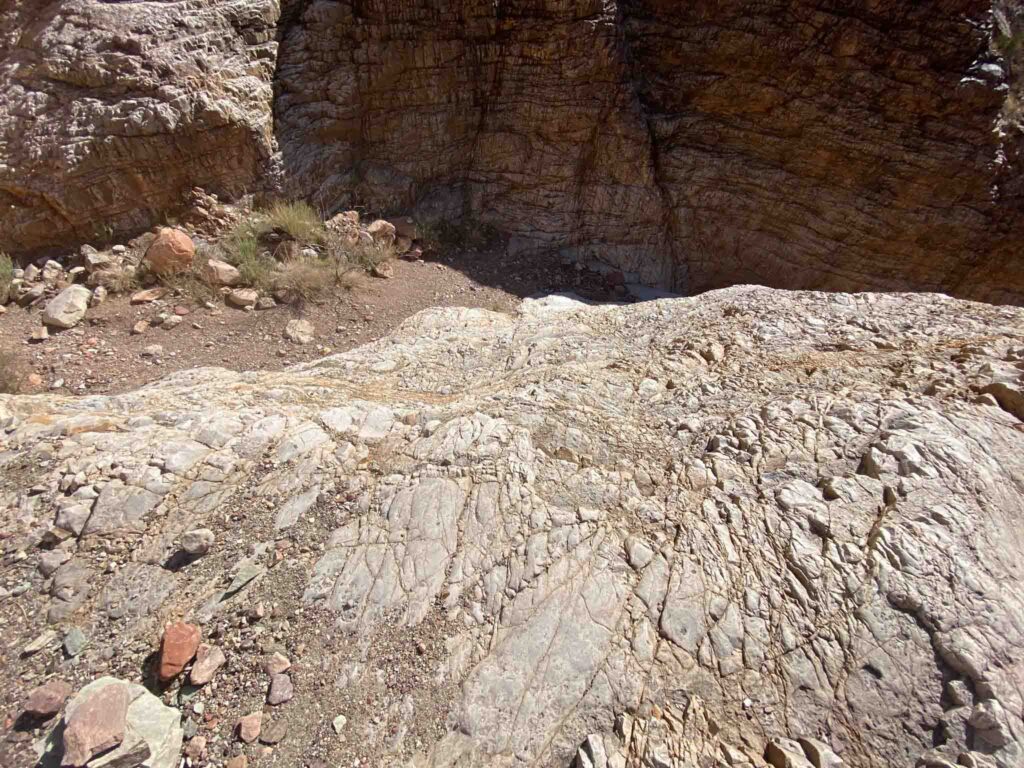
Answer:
(742, 517)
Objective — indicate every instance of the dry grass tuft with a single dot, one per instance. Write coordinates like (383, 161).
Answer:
(124, 281)
(6, 276)
(298, 220)
(304, 278)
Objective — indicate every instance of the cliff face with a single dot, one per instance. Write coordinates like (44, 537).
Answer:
(111, 112)
(835, 145)
(830, 144)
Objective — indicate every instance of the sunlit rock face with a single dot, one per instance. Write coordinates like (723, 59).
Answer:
(692, 531)
(111, 112)
(829, 145)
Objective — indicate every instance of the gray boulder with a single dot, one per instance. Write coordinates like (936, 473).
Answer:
(67, 308)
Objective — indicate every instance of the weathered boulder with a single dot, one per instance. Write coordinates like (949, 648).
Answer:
(197, 542)
(119, 724)
(171, 251)
(300, 331)
(243, 298)
(67, 308)
(218, 272)
(382, 232)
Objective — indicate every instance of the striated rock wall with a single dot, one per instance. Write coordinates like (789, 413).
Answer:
(828, 143)
(838, 145)
(111, 112)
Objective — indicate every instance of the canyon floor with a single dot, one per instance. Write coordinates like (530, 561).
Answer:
(103, 355)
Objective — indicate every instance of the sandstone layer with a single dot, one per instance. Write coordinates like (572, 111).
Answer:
(833, 145)
(669, 534)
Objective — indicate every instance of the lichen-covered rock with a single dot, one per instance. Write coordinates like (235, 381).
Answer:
(748, 527)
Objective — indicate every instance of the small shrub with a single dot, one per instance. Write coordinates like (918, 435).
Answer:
(6, 276)
(123, 281)
(14, 372)
(189, 282)
(244, 245)
(305, 278)
(365, 255)
(242, 248)
(102, 233)
(257, 270)
(350, 279)
(1008, 45)
(243, 242)
(296, 219)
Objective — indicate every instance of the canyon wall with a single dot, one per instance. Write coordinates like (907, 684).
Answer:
(836, 145)
(832, 144)
(111, 112)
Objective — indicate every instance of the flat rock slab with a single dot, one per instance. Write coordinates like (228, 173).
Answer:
(138, 590)
(95, 723)
(138, 728)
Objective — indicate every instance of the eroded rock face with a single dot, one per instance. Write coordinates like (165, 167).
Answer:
(745, 524)
(692, 145)
(804, 145)
(110, 113)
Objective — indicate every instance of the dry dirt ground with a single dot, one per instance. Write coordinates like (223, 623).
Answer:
(102, 355)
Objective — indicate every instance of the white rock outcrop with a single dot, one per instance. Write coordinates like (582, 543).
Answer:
(742, 528)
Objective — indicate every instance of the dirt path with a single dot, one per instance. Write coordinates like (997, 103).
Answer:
(102, 355)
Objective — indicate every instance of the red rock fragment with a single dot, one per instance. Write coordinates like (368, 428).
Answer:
(179, 646)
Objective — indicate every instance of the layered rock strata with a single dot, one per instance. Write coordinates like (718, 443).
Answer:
(110, 113)
(831, 145)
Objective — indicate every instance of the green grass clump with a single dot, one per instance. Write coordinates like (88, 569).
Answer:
(296, 219)
(6, 276)
(243, 246)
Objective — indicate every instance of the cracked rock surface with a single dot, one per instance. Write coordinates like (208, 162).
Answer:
(752, 527)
